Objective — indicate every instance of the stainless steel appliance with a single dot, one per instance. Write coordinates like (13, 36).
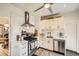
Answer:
(59, 46)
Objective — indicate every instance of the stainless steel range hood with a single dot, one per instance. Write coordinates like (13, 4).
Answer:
(27, 23)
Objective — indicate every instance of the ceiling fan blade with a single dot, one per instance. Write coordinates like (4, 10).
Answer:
(50, 10)
(39, 8)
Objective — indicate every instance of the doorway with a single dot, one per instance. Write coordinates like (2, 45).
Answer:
(4, 36)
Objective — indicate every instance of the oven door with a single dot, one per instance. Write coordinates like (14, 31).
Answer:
(33, 47)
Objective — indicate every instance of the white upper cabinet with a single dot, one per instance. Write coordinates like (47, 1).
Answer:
(53, 25)
(57, 23)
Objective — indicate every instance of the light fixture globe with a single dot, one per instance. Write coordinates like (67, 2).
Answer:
(47, 5)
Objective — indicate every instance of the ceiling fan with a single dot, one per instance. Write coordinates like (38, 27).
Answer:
(46, 5)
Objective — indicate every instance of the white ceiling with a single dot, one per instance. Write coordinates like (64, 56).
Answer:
(57, 7)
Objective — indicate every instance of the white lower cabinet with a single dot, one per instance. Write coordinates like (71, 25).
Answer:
(21, 49)
(47, 43)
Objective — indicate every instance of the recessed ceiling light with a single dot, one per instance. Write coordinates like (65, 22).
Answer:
(65, 5)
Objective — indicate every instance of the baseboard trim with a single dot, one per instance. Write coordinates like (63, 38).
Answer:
(34, 55)
(53, 51)
(46, 49)
(71, 50)
(59, 52)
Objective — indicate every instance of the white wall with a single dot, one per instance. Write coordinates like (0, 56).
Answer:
(37, 21)
(72, 30)
(16, 17)
(16, 22)
(77, 32)
(70, 20)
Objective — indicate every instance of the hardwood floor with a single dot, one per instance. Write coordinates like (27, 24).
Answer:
(43, 52)
(3, 51)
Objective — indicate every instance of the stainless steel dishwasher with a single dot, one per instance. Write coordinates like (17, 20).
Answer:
(59, 46)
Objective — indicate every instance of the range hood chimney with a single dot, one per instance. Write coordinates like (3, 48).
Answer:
(27, 23)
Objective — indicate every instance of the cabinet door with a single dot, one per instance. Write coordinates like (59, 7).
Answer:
(45, 45)
(60, 22)
(50, 44)
(54, 24)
